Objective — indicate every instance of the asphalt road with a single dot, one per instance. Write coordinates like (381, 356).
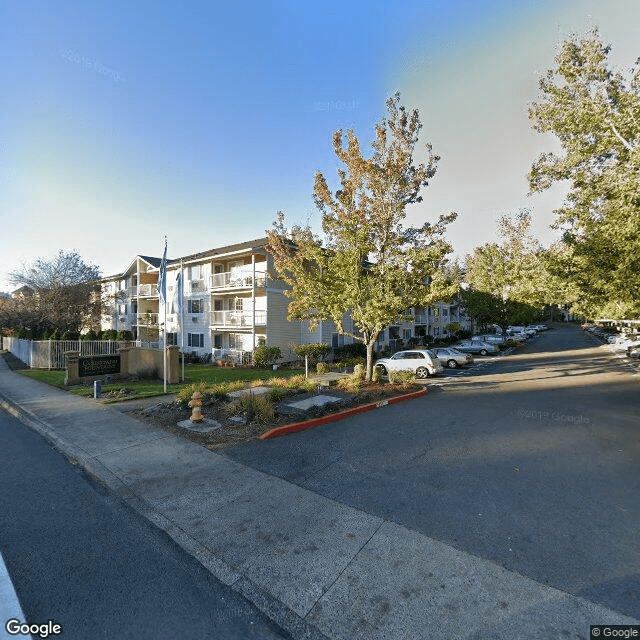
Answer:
(531, 461)
(78, 556)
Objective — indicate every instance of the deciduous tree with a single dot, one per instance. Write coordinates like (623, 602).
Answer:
(595, 114)
(66, 292)
(370, 267)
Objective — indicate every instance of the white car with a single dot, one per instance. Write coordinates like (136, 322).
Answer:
(423, 362)
(627, 343)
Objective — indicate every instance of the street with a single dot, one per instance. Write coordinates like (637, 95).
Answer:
(531, 461)
(91, 564)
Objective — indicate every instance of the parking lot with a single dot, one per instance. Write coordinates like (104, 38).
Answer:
(530, 460)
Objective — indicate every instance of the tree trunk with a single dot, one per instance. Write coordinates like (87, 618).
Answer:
(369, 370)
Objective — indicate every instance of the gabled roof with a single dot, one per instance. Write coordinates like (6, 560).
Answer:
(259, 243)
(154, 262)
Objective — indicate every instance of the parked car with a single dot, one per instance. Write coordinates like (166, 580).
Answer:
(540, 327)
(624, 345)
(423, 362)
(492, 338)
(476, 346)
(452, 358)
(518, 336)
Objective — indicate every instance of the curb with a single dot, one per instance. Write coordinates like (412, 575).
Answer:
(334, 417)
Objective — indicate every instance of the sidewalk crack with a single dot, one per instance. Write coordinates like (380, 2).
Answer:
(355, 555)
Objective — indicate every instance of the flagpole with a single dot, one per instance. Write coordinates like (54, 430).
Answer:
(181, 298)
(163, 297)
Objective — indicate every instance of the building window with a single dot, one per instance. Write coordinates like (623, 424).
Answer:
(195, 340)
(337, 340)
(172, 338)
(435, 311)
(195, 306)
(445, 312)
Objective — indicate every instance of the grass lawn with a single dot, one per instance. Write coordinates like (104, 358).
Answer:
(194, 373)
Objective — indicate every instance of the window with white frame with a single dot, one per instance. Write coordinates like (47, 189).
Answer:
(195, 306)
(195, 340)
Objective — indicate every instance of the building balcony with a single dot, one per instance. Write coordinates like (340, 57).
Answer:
(194, 286)
(147, 291)
(230, 280)
(147, 319)
(238, 319)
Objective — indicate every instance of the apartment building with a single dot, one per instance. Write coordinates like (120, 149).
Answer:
(231, 302)
(229, 299)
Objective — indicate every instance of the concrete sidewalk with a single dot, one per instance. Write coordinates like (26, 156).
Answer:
(318, 568)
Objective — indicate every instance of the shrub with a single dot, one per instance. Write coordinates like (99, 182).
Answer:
(313, 351)
(358, 370)
(351, 383)
(402, 377)
(184, 395)
(223, 388)
(322, 367)
(375, 374)
(255, 408)
(263, 356)
(275, 395)
(354, 350)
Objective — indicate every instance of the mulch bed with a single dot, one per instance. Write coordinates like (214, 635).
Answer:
(167, 415)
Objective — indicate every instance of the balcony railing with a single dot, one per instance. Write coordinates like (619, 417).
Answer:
(147, 290)
(232, 355)
(147, 319)
(237, 318)
(196, 285)
(237, 280)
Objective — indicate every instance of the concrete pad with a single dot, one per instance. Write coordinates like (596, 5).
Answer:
(314, 401)
(287, 540)
(406, 585)
(253, 391)
(204, 426)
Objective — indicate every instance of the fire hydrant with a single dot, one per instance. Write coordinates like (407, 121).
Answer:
(195, 403)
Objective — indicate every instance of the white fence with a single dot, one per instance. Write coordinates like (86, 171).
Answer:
(49, 354)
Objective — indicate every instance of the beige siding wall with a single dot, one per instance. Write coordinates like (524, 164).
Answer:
(280, 332)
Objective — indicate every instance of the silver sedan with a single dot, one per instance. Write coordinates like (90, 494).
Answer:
(451, 357)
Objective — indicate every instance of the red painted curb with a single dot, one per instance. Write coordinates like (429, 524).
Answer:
(334, 417)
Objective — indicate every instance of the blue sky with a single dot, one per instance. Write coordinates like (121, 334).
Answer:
(126, 121)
